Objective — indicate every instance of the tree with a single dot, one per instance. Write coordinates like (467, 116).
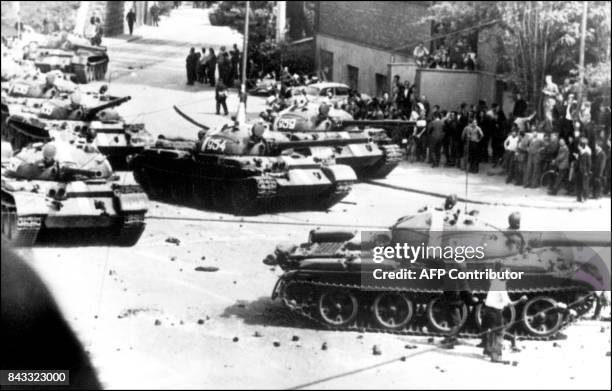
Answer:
(533, 38)
(263, 48)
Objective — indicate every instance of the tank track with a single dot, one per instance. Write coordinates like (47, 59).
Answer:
(130, 228)
(19, 231)
(392, 155)
(417, 326)
(340, 190)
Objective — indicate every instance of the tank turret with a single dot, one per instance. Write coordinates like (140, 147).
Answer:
(70, 54)
(88, 116)
(337, 277)
(374, 157)
(60, 186)
(256, 139)
(244, 168)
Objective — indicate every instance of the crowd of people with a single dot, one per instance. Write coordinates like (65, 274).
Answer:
(205, 66)
(459, 55)
(567, 149)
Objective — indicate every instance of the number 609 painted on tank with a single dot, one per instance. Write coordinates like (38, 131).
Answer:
(286, 123)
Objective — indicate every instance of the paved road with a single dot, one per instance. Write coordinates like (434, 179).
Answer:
(113, 296)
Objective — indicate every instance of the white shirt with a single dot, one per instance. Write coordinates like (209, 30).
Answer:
(511, 143)
(498, 296)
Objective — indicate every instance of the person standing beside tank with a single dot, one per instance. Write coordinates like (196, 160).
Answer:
(456, 296)
(492, 316)
(221, 97)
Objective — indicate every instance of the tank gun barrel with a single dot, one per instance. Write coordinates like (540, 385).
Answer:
(282, 145)
(89, 47)
(189, 119)
(71, 171)
(91, 112)
(380, 123)
(568, 239)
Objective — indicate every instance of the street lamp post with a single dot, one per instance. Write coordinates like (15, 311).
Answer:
(241, 115)
(585, 9)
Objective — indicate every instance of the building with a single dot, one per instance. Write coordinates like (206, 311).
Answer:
(365, 44)
(356, 40)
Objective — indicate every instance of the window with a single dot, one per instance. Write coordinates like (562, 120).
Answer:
(353, 77)
(342, 91)
(382, 85)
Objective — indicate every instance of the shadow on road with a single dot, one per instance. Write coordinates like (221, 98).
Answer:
(266, 312)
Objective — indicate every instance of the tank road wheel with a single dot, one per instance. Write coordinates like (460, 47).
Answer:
(338, 307)
(298, 295)
(243, 197)
(540, 316)
(392, 310)
(437, 316)
(508, 315)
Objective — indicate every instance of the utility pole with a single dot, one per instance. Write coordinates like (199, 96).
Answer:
(18, 8)
(241, 115)
(585, 9)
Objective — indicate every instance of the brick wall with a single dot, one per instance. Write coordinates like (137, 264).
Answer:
(381, 24)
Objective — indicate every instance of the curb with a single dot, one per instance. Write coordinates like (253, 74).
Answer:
(481, 202)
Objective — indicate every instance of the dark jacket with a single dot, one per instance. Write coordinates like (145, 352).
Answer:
(584, 162)
(599, 163)
(562, 159)
(220, 92)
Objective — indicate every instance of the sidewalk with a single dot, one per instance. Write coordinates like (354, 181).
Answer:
(482, 188)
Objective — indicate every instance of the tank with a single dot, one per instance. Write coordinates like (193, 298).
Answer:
(70, 54)
(243, 168)
(310, 121)
(62, 186)
(39, 85)
(331, 280)
(99, 124)
(32, 90)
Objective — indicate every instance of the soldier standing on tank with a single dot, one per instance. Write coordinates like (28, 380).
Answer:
(583, 170)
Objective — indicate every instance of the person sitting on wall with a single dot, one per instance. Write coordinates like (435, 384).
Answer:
(420, 54)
